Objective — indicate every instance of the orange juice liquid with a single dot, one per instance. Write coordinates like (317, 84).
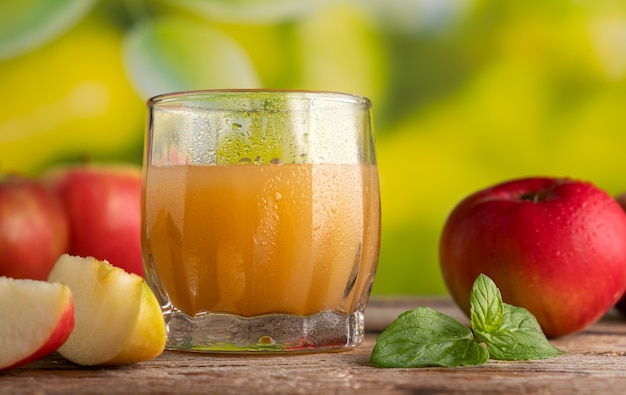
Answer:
(262, 239)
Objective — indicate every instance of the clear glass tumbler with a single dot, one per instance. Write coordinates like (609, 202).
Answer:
(261, 218)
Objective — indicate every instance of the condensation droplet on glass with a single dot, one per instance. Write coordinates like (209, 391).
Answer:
(276, 161)
(302, 158)
(236, 127)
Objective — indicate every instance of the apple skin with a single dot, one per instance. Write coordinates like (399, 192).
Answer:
(621, 304)
(34, 230)
(103, 205)
(554, 246)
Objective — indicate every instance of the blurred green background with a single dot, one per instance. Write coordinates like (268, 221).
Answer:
(466, 93)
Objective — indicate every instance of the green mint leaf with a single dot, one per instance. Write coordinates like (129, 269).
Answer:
(425, 337)
(510, 333)
(520, 337)
(486, 308)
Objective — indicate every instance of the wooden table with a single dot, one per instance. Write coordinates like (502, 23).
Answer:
(595, 364)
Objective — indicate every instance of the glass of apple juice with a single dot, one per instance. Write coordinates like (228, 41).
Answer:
(261, 218)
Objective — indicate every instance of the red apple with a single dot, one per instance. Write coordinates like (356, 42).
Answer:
(37, 318)
(554, 246)
(34, 231)
(103, 204)
(621, 304)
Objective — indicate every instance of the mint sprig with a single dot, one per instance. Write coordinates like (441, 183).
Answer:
(424, 337)
(510, 332)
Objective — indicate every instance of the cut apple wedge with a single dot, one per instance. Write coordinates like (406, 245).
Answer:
(118, 319)
(37, 318)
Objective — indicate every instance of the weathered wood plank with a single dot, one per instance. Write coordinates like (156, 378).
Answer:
(595, 363)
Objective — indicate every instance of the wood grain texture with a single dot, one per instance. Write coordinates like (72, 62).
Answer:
(595, 364)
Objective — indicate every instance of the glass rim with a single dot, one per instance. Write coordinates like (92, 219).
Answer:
(302, 93)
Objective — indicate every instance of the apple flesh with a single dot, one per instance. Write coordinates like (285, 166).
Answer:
(103, 205)
(33, 228)
(118, 318)
(37, 318)
(556, 247)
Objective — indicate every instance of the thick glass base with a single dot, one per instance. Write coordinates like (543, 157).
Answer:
(225, 333)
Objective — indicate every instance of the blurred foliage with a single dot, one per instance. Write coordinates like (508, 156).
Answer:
(466, 93)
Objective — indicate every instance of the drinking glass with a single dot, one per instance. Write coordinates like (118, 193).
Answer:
(260, 218)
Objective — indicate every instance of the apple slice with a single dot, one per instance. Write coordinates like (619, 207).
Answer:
(118, 319)
(37, 318)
